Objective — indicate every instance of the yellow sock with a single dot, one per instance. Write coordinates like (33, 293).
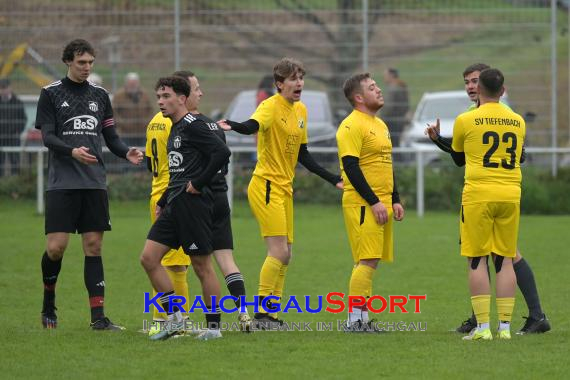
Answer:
(278, 292)
(505, 307)
(268, 277)
(180, 282)
(361, 281)
(481, 307)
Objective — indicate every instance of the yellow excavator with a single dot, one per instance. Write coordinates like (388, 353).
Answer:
(15, 60)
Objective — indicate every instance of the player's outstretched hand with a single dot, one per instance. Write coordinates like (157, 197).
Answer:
(433, 130)
(380, 213)
(340, 185)
(135, 156)
(224, 125)
(191, 189)
(398, 211)
(82, 155)
(157, 212)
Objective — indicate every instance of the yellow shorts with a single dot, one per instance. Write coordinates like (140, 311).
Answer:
(489, 227)
(368, 239)
(272, 206)
(174, 256)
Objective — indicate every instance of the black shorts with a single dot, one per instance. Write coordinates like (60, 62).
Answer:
(77, 210)
(186, 222)
(222, 237)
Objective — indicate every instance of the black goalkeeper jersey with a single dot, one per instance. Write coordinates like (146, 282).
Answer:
(195, 153)
(79, 112)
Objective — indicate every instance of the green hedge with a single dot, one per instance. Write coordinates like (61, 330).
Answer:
(541, 193)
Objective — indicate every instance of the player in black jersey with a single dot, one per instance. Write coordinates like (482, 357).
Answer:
(195, 155)
(222, 237)
(73, 114)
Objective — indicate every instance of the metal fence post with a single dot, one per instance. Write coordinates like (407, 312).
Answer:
(40, 182)
(420, 182)
(230, 181)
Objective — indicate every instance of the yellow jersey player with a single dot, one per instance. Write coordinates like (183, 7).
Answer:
(491, 138)
(536, 322)
(281, 124)
(370, 198)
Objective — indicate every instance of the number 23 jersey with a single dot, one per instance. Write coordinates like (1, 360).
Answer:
(492, 138)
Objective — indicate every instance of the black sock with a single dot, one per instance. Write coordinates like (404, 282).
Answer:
(525, 281)
(213, 319)
(50, 271)
(95, 284)
(165, 302)
(236, 286)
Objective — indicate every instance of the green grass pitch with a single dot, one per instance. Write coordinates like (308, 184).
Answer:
(427, 262)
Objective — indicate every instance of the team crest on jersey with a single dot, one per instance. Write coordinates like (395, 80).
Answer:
(175, 159)
(301, 123)
(93, 106)
(177, 142)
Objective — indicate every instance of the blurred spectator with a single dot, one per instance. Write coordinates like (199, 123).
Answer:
(12, 122)
(265, 89)
(95, 78)
(396, 104)
(132, 110)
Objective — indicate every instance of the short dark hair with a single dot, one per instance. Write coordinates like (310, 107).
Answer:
(285, 68)
(491, 82)
(76, 47)
(179, 85)
(184, 74)
(353, 85)
(475, 67)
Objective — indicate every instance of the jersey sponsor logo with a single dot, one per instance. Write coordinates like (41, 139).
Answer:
(64, 104)
(93, 106)
(177, 142)
(175, 159)
(83, 122)
(157, 127)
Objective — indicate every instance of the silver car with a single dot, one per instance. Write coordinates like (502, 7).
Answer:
(320, 121)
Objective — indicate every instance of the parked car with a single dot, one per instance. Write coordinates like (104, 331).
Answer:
(445, 105)
(320, 126)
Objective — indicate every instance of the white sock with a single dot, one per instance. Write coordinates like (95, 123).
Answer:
(175, 317)
(483, 326)
(365, 316)
(355, 315)
(504, 326)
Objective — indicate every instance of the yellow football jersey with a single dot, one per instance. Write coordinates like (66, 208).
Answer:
(492, 137)
(282, 130)
(367, 138)
(157, 133)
